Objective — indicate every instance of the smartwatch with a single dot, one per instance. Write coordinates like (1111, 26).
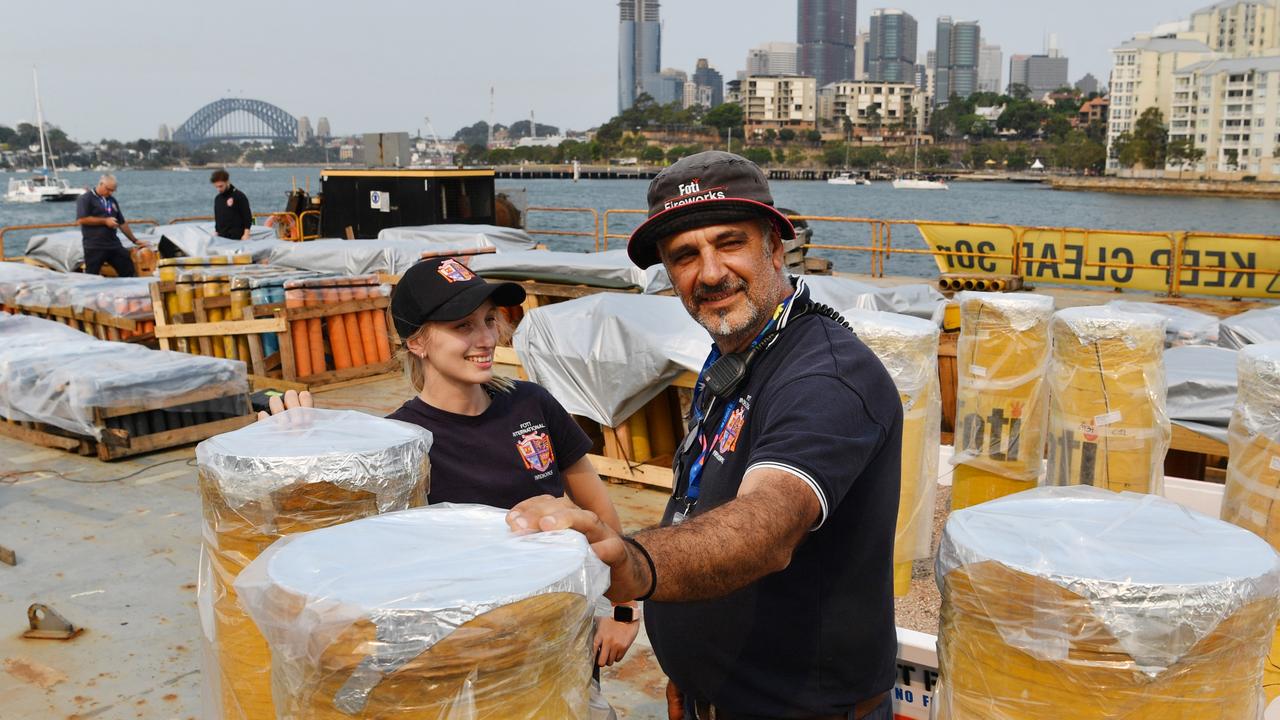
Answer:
(625, 614)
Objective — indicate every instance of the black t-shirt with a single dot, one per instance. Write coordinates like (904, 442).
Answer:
(818, 637)
(231, 213)
(100, 237)
(518, 448)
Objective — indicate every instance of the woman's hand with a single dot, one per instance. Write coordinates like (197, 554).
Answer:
(292, 399)
(613, 639)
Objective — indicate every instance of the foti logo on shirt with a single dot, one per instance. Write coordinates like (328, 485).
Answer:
(732, 431)
(231, 202)
(454, 271)
(536, 451)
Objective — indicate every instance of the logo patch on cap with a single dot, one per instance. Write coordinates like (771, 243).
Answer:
(454, 271)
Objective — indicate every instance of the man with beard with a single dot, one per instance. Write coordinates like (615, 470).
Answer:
(770, 580)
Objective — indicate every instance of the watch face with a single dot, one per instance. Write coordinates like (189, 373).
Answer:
(624, 613)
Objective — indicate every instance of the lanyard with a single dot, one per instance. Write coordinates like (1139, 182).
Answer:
(694, 486)
(105, 202)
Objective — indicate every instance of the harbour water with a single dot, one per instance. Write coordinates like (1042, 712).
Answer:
(163, 195)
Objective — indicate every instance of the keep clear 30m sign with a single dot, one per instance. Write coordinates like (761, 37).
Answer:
(1225, 265)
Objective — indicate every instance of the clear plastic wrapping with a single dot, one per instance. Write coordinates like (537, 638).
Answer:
(1002, 395)
(1108, 425)
(128, 298)
(1251, 496)
(23, 330)
(14, 274)
(1074, 602)
(908, 348)
(67, 382)
(1183, 326)
(300, 470)
(438, 612)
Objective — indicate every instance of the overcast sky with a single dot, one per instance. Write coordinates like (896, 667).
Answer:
(120, 69)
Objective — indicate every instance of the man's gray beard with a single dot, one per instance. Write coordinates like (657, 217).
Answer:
(722, 330)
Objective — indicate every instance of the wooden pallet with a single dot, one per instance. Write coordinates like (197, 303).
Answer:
(276, 370)
(117, 427)
(100, 325)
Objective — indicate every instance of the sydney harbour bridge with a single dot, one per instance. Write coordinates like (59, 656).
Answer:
(235, 120)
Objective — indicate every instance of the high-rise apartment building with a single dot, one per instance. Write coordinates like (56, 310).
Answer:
(705, 76)
(772, 58)
(639, 48)
(990, 69)
(958, 45)
(1239, 28)
(827, 35)
(891, 47)
(776, 102)
(667, 86)
(1039, 74)
(1230, 109)
(1142, 76)
(875, 108)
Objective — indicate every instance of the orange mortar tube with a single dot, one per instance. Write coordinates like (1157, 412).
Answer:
(337, 332)
(315, 333)
(293, 298)
(368, 337)
(352, 324)
(381, 339)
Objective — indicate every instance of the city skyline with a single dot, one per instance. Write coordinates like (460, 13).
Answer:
(122, 77)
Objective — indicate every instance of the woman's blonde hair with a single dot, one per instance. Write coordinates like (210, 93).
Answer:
(417, 376)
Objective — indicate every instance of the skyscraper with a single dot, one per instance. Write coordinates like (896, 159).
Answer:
(827, 33)
(957, 48)
(772, 58)
(990, 69)
(1039, 74)
(891, 51)
(639, 48)
(705, 76)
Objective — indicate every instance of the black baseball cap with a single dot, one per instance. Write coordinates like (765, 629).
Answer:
(444, 289)
(708, 188)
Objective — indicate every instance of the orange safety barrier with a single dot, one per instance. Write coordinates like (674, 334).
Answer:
(606, 236)
(595, 218)
(302, 230)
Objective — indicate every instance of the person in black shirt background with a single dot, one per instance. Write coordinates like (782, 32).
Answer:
(99, 216)
(496, 441)
(770, 582)
(232, 216)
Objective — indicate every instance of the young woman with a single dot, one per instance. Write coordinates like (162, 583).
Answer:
(496, 441)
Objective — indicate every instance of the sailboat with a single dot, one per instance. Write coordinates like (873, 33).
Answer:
(43, 186)
(914, 181)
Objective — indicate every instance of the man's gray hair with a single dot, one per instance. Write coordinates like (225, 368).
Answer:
(107, 178)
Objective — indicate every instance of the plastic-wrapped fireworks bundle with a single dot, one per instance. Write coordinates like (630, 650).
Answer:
(438, 612)
(1001, 395)
(1075, 602)
(908, 348)
(297, 471)
(1252, 495)
(1107, 420)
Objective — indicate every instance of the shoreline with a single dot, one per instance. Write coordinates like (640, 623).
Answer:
(1168, 186)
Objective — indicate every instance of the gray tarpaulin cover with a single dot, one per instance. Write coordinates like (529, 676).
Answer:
(917, 300)
(23, 331)
(362, 257)
(609, 269)
(64, 250)
(1183, 326)
(604, 356)
(61, 381)
(197, 240)
(505, 239)
(1202, 388)
(1250, 328)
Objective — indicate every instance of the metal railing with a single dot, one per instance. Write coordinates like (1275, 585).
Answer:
(607, 236)
(594, 234)
(55, 226)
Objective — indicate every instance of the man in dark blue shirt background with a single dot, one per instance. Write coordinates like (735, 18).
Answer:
(770, 582)
(99, 216)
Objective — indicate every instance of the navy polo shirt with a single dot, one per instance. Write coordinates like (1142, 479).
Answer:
(819, 636)
(518, 448)
(99, 237)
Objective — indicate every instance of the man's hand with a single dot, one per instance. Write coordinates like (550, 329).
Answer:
(675, 703)
(111, 223)
(613, 639)
(245, 236)
(629, 574)
(292, 399)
